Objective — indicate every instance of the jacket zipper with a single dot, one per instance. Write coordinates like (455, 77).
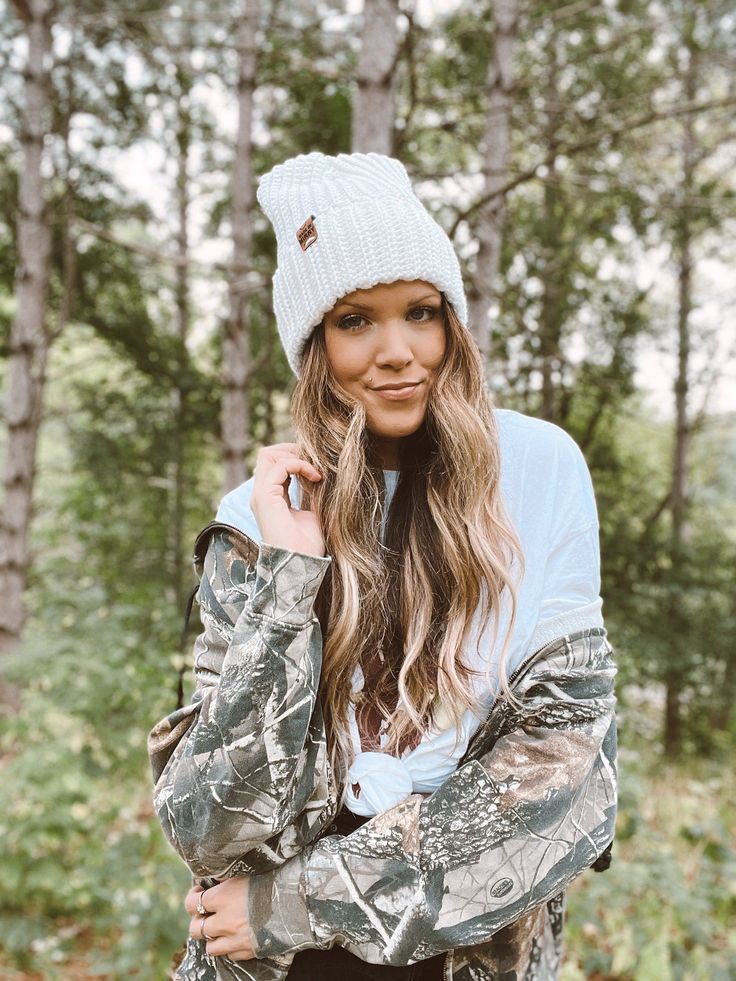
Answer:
(446, 976)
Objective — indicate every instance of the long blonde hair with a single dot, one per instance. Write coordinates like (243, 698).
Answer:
(402, 609)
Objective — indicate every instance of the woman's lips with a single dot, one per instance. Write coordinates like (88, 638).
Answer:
(397, 394)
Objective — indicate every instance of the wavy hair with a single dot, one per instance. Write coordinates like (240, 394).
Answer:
(402, 609)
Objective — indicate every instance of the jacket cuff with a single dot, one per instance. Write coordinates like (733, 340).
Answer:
(287, 584)
(277, 910)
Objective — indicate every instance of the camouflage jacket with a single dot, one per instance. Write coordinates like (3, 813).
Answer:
(477, 869)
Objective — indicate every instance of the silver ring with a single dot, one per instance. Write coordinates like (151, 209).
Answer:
(200, 906)
(204, 935)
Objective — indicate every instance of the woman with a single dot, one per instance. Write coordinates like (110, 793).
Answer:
(401, 746)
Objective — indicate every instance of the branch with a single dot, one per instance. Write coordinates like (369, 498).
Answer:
(23, 10)
(574, 9)
(655, 516)
(622, 128)
(99, 232)
(242, 286)
(700, 418)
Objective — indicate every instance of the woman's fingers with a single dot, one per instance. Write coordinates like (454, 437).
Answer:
(279, 523)
(198, 927)
(274, 466)
(242, 955)
(272, 475)
(225, 923)
(223, 946)
(280, 451)
(191, 900)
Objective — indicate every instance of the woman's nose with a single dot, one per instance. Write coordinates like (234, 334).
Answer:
(393, 344)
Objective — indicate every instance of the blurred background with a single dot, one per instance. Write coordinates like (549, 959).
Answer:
(582, 157)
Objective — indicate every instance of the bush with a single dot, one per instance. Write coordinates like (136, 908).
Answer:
(86, 869)
(664, 910)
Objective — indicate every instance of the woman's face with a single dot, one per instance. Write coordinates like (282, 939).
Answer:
(392, 334)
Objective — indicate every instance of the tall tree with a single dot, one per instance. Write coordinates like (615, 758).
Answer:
(490, 219)
(182, 154)
(374, 109)
(236, 363)
(684, 233)
(29, 338)
(552, 312)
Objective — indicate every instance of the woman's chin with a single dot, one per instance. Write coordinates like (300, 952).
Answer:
(383, 436)
(399, 425)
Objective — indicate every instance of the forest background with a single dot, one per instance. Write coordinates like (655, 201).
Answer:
(582, 158)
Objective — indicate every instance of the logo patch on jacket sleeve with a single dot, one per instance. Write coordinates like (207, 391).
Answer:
(307, 233)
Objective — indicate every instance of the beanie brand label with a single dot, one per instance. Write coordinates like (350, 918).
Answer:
(307, 233)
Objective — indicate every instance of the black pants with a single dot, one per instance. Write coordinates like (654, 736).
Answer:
(338, 964)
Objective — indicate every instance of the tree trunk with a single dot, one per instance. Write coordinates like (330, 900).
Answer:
(489, 232)
(236, 367)
(678, 493)
(550, 321)
(29, 339)
(269, 390)
(374, 110)
(183, 315)
(720, 717)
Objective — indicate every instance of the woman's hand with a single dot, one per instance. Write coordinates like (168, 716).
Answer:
(279, 523)
(226, 927)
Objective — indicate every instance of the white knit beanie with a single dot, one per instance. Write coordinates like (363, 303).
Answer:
(345, 223)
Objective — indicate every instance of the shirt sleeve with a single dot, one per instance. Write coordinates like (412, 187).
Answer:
(570, 599)
(241, 772)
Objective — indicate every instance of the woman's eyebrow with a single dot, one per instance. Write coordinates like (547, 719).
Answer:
(363, 306)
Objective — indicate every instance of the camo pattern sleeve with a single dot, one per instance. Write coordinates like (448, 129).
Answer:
(241, 774)
(530, 808)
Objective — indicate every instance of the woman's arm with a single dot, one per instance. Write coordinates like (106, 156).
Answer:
(504, 833)
(240, 773)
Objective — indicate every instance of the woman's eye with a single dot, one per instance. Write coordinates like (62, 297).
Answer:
(348, 323)
(427, 313)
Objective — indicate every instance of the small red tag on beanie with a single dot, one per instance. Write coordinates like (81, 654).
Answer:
(307, 233)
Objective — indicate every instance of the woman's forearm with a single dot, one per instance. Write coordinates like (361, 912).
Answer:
(240, 774)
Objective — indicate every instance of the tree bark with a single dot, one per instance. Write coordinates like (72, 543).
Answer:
(374, 110)
(183, 317)
(678, 493)
(550, 321)
(29, 338)
(236, 366)
(483, 292)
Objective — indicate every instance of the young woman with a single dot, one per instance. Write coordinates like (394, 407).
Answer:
(401, 746)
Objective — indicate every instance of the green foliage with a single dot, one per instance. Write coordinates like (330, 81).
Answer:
(106, 487)
(679, 612)
(663, 911)
(78, 839)
(100, 665)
